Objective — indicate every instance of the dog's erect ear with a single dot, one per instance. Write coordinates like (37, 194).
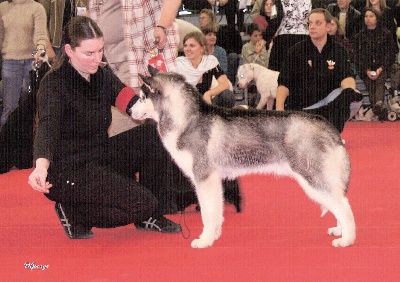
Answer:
(148, 80)
(148, 84)
(152, 70)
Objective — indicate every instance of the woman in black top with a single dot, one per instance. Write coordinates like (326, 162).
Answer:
(92, 177)
(374, 54)
(273, 20)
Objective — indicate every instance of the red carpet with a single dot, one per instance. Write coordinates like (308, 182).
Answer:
(278, 237)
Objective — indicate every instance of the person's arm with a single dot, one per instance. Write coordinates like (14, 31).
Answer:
(348, 82)
(250, 54)
(245, 56)
(168, 14)
(281, 94)
(40, 33)
(48, 131)
(49, 49)
(263, 57)
(1, 33)
(223, 60)
(37, 179)
(50, 104)
(223, 84)
(46, 6)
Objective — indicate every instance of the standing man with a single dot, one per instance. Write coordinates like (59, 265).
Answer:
(316, 75)
(350, 19)
(132, 30)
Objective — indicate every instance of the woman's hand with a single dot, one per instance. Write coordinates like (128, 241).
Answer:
(223, 84)
(37, 179)
(373, 75)
(207, 96)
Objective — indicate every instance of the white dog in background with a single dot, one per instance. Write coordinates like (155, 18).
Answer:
(266, 82)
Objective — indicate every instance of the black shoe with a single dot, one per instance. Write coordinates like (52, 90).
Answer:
(161, 224)
(72, 231)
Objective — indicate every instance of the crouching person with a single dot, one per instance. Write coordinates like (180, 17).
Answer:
(89, 176)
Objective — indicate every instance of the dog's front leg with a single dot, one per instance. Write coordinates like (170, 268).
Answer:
(270, 103)
(210, 196)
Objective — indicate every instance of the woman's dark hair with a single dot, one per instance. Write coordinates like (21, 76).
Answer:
(377, 15)
(79, 28)
(262, 7)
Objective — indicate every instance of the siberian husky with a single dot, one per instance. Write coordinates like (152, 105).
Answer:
(210, 144)
(266, 81)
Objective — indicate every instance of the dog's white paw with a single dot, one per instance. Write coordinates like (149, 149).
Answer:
(341, 242)
(201, 243)
(335, 231)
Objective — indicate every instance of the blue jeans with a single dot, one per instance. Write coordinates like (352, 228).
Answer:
(15, 74)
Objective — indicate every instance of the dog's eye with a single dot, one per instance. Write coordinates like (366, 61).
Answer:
(142, 99)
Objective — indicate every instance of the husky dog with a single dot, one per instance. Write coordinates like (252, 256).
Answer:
(210, 143)
(266, 82)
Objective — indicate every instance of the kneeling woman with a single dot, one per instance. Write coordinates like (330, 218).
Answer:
(87, 174)
(204, 72)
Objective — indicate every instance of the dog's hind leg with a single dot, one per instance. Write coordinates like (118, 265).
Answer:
(210, 197)
(337, 203)
(270, 103)
(263, 101)
(346, 226)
